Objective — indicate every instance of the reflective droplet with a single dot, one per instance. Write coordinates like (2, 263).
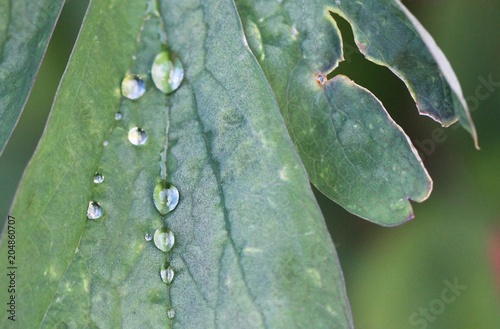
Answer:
(94, 211)
(98, 178)
(166, 273)
(118, 116)
(165, 197)
(137, 136)
(337, 2)
(164, 239)
(148, 237)
(167, 72)
(105, 143)
(171, 313)
(321, 78)
(133, 87)
(294, 31)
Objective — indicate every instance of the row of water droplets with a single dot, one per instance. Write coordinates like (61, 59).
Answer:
(167, 73)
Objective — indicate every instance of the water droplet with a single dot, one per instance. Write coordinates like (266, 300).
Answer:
(337, 2)
(137, 136)
(321, 78)
(164, 239)
(167, 72)
(148, 237)
(118, 116)
(171, 313)
(133, 87)
(165, 197)
(166, 273)
(94, 211)
(98, 178)
(105, 143)
(294, 31)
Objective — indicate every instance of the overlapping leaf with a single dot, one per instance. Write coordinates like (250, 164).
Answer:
(351, 148)
(25, 30)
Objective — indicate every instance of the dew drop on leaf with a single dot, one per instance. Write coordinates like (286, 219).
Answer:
(98, 178)
(167, 72)
(171, 313)
(94, 211)
(118, 116)
(165, 197)
(166, 273)
(133, 87)
(148, 237)
(164, 239)
(137, 136)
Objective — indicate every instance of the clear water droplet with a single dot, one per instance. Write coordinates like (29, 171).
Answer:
(171, 313)
(164, 239)
(165, 197)
(105, 143)
(98, 178)
(133, 87)
(94, 211)
(167, 273)
(148, 237)
(137, 136)
(118, 116)
(294, 31)
(337, 2)
(321, 78)
(167, 72)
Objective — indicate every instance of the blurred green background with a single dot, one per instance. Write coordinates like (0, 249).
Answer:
(392, 274)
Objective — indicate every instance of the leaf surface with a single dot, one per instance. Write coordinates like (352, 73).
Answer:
(353, 151)
(25, 30)
(251, 250)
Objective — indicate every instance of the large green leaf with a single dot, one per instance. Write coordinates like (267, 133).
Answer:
(353, 151)
(252, 250)
(25, 30)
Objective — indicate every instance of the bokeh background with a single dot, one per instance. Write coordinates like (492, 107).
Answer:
(392, 274)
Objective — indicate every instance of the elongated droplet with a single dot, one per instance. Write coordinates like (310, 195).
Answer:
(133, 87)
(137, 136)
(171, 313)
(148, 237)
(98, 178)
(164, 239)
(167, 72)
(166, 273)
(165, 197)
(94, 210)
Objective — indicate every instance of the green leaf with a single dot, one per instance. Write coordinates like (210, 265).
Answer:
(251, 250)
(25, 29)
(353, 151)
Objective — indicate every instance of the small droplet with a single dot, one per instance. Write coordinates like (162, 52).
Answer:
(105, 143)
(94, 211)
(294, 31)
(137, 136)
(165, 197)
(167, 72)
(148, 237)
(164, 239)
(337, 2)
(171, 313)
(98, 178)
(133, 87)
(166, 273)
(320, 78)
(118, 116)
